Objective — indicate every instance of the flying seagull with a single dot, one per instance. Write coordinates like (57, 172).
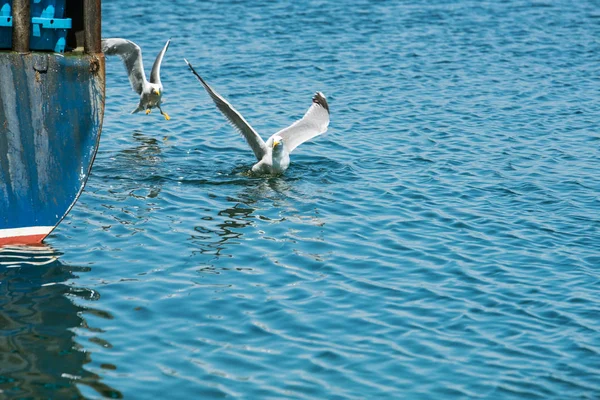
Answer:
(274, 154)
(131, 54)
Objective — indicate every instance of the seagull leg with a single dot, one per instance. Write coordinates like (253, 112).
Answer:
(164, 114)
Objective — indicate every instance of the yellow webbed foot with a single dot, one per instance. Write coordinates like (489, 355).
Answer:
(148, 111)
(166, 116)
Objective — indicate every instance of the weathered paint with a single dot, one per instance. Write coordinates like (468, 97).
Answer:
(21, 14)
(92, 22)
(51, 111)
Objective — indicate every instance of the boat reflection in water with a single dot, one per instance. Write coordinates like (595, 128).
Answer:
(39, 356)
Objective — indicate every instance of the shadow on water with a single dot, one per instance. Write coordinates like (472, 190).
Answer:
(39, 356)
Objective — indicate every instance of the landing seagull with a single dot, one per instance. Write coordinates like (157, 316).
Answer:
(131, 54)
(274, 154)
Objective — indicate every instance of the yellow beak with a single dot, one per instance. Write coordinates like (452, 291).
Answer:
(276, 143)
(158, 92)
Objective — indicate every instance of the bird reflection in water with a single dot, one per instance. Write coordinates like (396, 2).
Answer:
(144, 167)
(39, 357)
(139, 170)
(213, 238)
(146, 156)
(216, 233)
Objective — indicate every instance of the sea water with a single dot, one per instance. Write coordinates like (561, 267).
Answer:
(440, 241)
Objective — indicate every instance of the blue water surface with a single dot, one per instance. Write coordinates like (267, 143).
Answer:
(441, 241)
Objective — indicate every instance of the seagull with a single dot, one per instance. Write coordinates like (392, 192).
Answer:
(131, 54)
(274, 154)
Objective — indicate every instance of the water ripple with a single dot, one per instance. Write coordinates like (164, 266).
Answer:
(440, 241)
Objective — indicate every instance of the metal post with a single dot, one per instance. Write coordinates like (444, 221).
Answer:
(92, 25)
(21, 25)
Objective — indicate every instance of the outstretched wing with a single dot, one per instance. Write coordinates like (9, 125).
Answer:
(314, 123)
(155, 74)
(131, 54)
(254, 140)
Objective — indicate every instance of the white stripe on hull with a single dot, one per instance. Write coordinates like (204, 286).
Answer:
(29, 231)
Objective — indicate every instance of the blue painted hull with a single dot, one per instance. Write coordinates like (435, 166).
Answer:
(51, 111)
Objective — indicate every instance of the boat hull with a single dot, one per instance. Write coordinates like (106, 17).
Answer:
(51, 112)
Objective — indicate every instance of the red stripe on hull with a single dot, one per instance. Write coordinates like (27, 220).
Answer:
(30, 239)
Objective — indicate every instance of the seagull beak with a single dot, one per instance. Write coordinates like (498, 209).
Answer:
(158, 92)
(276, 143)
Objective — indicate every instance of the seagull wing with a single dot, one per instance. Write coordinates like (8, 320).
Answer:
(131, 54)
(155, 74)
(314, 123)
(254, 140)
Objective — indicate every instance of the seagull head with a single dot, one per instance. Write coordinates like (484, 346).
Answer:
(277, 144)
